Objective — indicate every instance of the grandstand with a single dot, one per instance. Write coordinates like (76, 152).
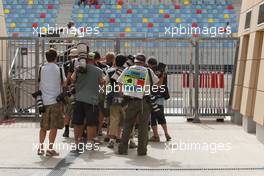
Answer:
(117, 18)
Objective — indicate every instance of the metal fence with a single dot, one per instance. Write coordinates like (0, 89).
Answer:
(207, 62)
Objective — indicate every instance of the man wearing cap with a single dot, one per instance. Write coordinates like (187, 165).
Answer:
(68, 108)
(86, 107)
(135, 81)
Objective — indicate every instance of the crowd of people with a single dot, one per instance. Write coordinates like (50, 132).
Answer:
(116, 99)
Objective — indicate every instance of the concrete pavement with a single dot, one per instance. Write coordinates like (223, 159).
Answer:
(209, 148)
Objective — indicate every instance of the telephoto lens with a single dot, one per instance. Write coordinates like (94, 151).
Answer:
(81, 65)
(40, 105)
(82, 48)
(154, 105)
(38, 96)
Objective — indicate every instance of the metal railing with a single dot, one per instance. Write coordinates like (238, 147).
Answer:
(200, 72)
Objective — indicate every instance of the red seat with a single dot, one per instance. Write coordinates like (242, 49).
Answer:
(150, 25)
(129, 11)
(111, 20)
(230, 7)
(50, 6)
(199, 11)
(194, 24)
(35, 25)
(166, 15)
(120, 2)
(42, 15)
(177, 6)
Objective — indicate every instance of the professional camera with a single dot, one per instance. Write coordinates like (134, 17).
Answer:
(130, 61)
(154, 105)
(38, 96)
(161, 69)
(80, 64)
(64, 94)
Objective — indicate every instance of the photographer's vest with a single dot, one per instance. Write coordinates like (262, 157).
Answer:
(135, 81)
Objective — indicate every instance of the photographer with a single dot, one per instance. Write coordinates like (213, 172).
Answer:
(69, 100)
(115, 100)
(88, 77)
(133, 81)
(160, 98)
(101, 105)
(51, 81)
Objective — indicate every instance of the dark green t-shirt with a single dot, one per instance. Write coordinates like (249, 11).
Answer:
(87, 85)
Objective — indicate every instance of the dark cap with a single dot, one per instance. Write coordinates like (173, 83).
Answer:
(152, 61)
(97, 55)
(140, 58)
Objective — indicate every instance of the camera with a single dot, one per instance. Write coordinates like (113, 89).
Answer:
(38, 96)
(69, 93)
(154, 105)
(161, 69)
(81, 65)
(129, 62)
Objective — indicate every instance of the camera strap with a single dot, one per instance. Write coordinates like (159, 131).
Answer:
(150, 80)
(61, 77)
(39, 73)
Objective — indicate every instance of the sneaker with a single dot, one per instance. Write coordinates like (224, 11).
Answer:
(41, 152)
(154, 139)
(122, 149)
(168, 138)
(51, 153)
(111, 144)
(132, 144)
(66, 133)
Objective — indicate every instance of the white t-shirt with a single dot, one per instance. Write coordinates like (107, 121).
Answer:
(136, 82)
(50, 83)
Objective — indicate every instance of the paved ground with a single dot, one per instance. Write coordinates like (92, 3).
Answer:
(210, 148)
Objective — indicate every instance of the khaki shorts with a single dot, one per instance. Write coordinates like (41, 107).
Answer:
(101, 102)
(117, 115)
(68, 107)
(53, 117)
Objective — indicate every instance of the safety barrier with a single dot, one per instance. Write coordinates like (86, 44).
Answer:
(207, 62)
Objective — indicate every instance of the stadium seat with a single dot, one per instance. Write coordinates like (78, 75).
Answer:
(20, 22)
(118, 16)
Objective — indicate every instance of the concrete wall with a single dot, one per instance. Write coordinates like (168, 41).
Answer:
(249, 84)
(2, 51)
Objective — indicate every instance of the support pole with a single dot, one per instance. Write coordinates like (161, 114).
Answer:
(196, 118)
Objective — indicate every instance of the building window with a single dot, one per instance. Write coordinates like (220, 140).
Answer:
(261, 14)
(248, 19)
